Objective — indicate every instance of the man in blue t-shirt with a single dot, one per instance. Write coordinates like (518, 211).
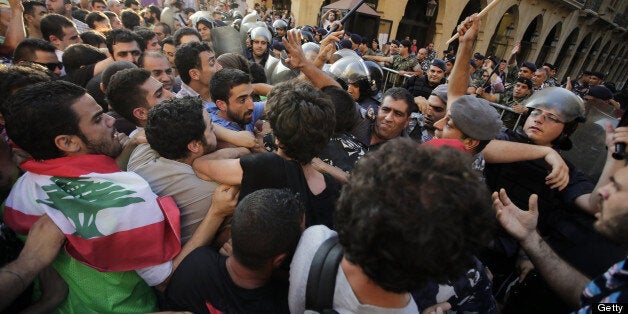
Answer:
(231, 90)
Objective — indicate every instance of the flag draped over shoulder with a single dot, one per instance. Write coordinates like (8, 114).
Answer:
(111, 219)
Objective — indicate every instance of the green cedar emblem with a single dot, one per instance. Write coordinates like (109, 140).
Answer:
(81, 199)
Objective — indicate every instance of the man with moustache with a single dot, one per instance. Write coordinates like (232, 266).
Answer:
(159, 66)
(392, 119)
(231, 91)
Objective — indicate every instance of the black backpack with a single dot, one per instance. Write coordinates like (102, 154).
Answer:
(321, 281)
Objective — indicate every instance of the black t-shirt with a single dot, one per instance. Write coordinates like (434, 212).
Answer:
(202, 282)
(269, 170)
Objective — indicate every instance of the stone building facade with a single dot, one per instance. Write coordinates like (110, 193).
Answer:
(575, 35)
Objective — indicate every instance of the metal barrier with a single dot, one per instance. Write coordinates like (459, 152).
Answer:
(503, 111)
(389, 79)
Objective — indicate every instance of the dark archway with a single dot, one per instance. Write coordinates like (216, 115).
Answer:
(415, 24)
(580, 54)
(473, 6)
(620, 60)
(567, 50)
(595, 49)
(282, 5)
(610, 61)
(530, 37)
(503, 34)
(602, 59)
(550, 43)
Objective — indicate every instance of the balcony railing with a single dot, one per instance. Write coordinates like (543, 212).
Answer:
(593, 5)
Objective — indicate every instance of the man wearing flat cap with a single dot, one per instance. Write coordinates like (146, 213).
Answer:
(473, 120)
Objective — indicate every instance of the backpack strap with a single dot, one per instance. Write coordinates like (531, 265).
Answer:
(321, 281)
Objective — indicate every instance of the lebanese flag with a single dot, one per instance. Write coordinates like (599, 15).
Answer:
(111, 219)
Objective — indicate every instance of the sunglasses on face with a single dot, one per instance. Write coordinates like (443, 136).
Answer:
(51, 66)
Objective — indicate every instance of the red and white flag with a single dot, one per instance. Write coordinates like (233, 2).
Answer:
(112, 220)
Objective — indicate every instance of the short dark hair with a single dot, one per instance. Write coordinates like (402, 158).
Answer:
(53, 24)
(302, 118)
(168, 41)
(346, 111)
(224, 80)
(167, 30)
(130, 19)
(25, 50)
(183, 31)
(29, 6)
(234, 60)
(266, 223)
(100, 1)
(400, 93)
(129, 3)
(47, 101)
(15, 77)
(121, 35)
(114, 68)
(187, 57)
(173, 124)
(146, 34)
(398, 201)
(154, 9)
(124, 93)
(95, 16)
(78, 55)
(79, 13)
(110, 14)
(93, 38)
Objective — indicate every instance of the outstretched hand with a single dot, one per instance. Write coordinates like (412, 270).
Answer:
(519, 223)
(292, 41)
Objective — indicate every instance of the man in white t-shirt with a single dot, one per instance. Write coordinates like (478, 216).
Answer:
(399, 228)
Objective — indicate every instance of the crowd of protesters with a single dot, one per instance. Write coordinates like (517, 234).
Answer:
(157, 157)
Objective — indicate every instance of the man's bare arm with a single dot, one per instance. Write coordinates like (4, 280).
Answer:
(297, 60)
(15, 30)
(223, 204)
(459, 77)
(562, 277)
(42, 245)
(378, 58)
(506, 152)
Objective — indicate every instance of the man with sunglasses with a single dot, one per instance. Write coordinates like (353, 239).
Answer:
(38, 51)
